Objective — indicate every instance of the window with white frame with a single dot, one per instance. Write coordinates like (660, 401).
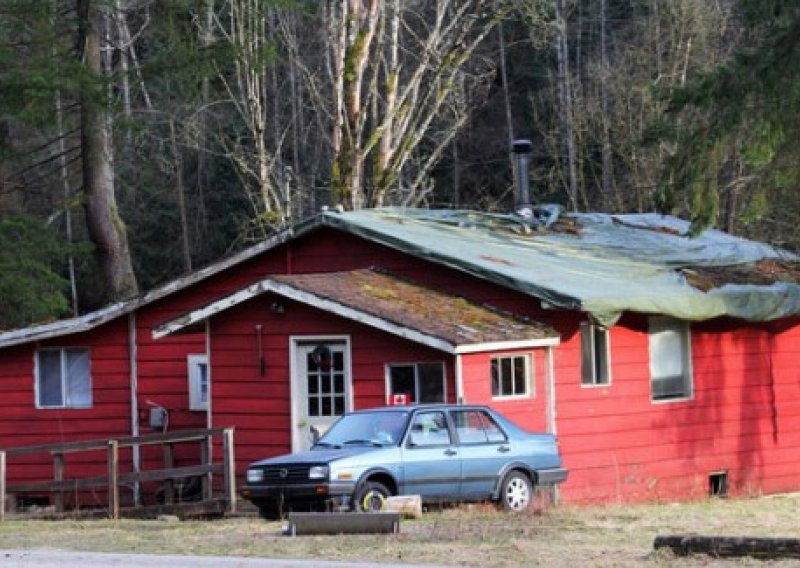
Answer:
(595, 355)
(198, 382)
(670, 359)
(419, 382)
(511, 376)
(63, 378)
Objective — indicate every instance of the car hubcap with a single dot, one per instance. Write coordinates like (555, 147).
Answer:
(517, 495)
(373, 501)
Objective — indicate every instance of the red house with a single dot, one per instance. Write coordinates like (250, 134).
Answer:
(664, 363)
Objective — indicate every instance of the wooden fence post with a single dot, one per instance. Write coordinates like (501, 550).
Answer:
(169, 463)
(2, 486)
(113, 479)
(205, 459)
(58, 475)
(229, 467)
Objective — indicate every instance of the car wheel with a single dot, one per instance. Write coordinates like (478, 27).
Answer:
(371, 497)
(516, 492)
(268, 511)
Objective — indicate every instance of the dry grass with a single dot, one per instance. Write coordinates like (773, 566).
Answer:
(469, 535)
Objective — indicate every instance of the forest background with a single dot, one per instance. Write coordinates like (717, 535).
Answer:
(141, 139)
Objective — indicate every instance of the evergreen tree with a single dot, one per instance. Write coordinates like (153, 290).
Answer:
(737, 128)
(31, 288)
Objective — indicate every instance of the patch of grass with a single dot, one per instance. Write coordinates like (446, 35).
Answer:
(611, 535)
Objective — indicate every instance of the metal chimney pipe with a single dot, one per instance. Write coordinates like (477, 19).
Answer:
(522, 150)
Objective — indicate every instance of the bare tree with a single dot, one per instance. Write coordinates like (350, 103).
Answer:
(105, 226)
(397, 65)
(248, 90)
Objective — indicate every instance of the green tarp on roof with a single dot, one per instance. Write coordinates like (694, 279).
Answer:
(601, 264)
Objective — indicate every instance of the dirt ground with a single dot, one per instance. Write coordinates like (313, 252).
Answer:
(477, 535)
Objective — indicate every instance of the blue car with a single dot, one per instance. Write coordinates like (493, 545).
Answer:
(444, 453)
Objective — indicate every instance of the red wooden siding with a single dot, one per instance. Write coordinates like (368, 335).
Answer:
(742, 419)
(529, 412)
(258, 406)
(23, 424)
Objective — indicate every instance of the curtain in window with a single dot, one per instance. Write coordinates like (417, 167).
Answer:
(79, 382)
(669, 360)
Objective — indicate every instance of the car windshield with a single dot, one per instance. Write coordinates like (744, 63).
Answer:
(366, 428)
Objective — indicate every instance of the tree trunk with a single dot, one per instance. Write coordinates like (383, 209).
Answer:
(180, 191)
(106, 229)
(565, 98)
(608, 172)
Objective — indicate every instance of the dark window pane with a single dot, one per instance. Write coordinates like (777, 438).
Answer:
(601, 356)
(587, 355)
(312, 365)
(50, 378)
(520, 376)
(338, 361)
(313, 384)
(401, 381)
(495, 377)
(326, 406)
(431, 382)
(338, 405)
(325, 388)
(338, 383)
(313, 406)
(506, 388)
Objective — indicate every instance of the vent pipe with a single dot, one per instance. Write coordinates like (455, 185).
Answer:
(521, 151)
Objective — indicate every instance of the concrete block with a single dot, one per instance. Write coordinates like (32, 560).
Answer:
(410, 506)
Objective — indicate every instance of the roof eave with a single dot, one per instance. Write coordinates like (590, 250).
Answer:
(514, 345)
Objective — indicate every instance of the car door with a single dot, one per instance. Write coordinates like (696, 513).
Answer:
(431, 461)
(484, 450)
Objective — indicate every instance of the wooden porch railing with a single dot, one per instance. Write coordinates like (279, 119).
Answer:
(114, 477)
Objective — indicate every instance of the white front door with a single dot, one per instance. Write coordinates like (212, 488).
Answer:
(321, 387)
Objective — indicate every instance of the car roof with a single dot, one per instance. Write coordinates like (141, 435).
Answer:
(412, 407)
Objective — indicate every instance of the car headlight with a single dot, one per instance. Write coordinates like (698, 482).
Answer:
(318, 472)
(255, 475)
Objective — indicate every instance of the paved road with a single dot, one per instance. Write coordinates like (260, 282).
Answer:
(64, 559)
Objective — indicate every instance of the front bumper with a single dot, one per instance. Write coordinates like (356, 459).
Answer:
(321, 492)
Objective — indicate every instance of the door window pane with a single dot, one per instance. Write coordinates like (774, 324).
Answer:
(429, 429)
(469, 427)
